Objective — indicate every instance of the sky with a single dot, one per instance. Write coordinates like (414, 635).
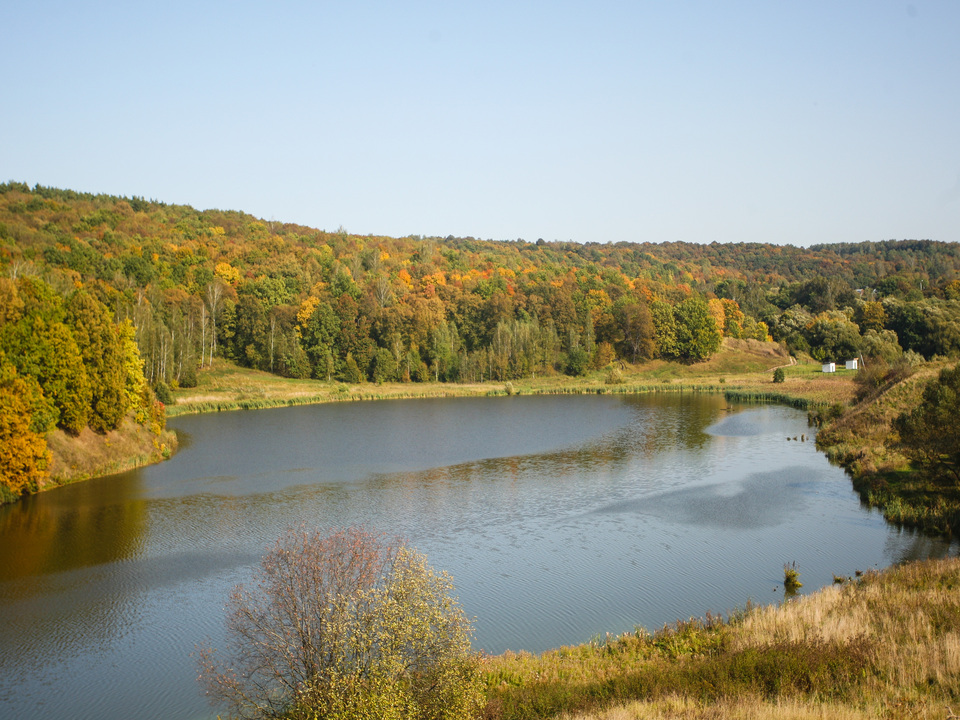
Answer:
(793, 122)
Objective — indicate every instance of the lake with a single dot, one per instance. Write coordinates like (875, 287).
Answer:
(560, 518)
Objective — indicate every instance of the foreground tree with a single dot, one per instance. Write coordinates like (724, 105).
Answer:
(344, 626)
(930, 433)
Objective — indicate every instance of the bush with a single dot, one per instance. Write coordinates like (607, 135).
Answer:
(162, 391)
(870, 379)
(578, 362)
(614, 376)
(879, 375)
(778, 375)
(188, 378)
(344, 626)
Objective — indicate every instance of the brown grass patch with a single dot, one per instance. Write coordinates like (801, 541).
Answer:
(744, 708)
(91, 454)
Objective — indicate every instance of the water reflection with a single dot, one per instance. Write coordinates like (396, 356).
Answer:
(59, 531)
(559, 518)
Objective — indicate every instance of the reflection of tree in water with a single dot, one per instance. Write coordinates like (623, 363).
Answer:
(918, 546)
(59, 590)
(681, 420)
(662, 423)
(69, 528)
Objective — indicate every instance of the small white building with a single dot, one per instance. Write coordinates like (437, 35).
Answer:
(853, 364)
(829, 367)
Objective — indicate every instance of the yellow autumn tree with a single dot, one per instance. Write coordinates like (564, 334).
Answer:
(304, 313)
(734, 318)
(226, 272)
(24, 457)
(715, 306)
(348, 626)
(134, 383)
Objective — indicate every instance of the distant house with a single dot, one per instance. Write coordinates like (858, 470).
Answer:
(829, 367)
(852, 364)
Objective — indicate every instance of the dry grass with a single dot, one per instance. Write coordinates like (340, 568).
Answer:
(226, 386)
(859, 438)
(885, 645)
(91, 454)
(909, 613)
(745, 708)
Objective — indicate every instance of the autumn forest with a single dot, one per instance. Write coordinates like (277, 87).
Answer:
(108, 302)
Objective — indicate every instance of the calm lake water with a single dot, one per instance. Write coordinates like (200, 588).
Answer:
(559, 518)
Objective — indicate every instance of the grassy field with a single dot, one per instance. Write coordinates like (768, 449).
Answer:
(742, 366)
(885, 645)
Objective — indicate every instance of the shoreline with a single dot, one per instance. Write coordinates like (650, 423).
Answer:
(658, 672)
(741, 370)
(853, 435)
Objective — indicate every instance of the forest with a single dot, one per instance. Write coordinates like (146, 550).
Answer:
(108, 302)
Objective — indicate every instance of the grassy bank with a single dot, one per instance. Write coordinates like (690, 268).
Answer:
(861, 440)
(743, 369)
(883, 645)
(91, 454)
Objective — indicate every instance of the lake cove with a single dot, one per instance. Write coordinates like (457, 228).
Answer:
(559, 518)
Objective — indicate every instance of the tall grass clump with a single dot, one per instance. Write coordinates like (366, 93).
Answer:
(791, 577)
(752, 396)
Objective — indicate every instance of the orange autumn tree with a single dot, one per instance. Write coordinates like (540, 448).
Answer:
(23, 450)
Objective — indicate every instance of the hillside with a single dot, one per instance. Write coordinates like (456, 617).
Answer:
(116, 312)
(183, 288)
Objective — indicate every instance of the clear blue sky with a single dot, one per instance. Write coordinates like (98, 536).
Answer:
(775, 121)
